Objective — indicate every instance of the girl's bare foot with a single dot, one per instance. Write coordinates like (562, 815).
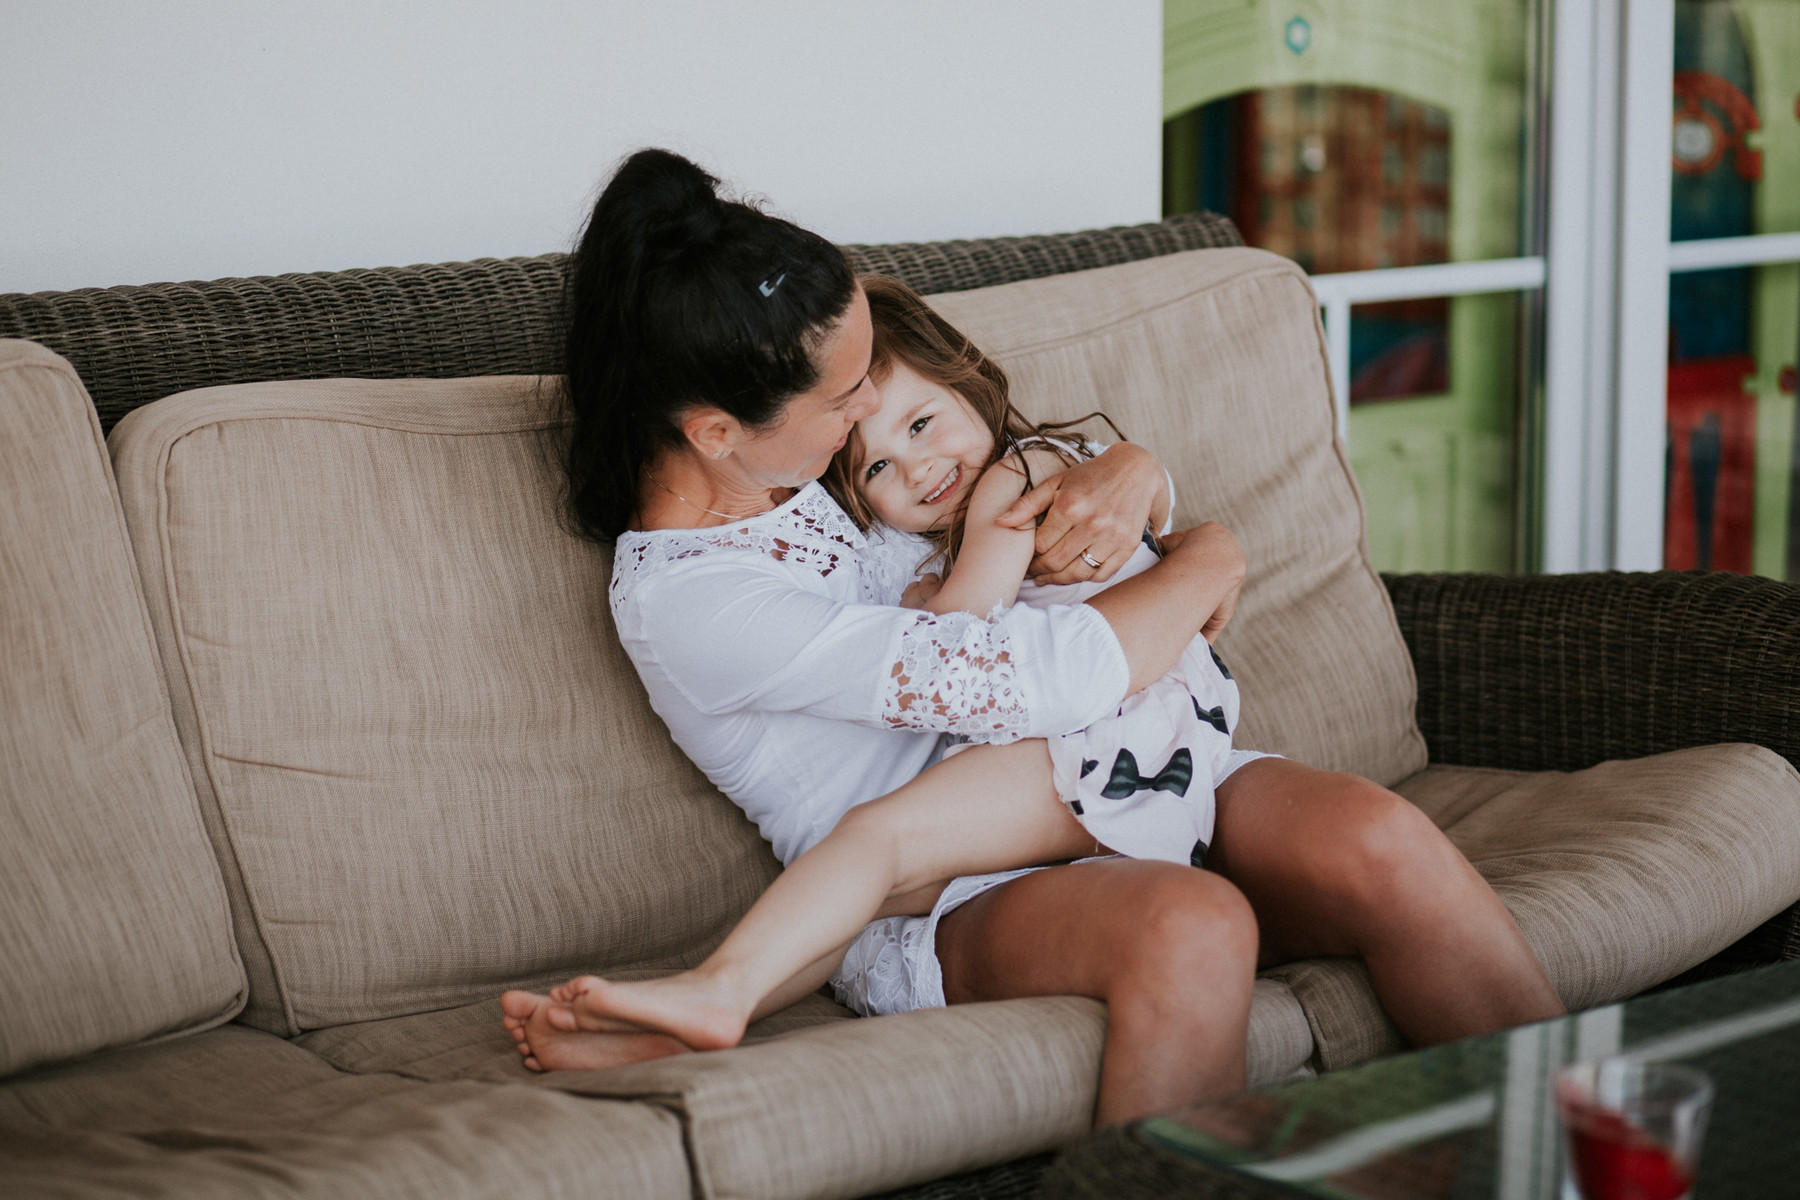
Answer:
(547, 1048)
(703, 1011)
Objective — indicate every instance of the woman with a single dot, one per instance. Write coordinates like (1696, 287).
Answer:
(717, 359)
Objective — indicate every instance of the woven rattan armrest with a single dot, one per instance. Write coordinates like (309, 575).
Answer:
(1559, 672)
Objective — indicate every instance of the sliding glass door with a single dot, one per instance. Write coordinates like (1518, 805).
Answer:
(1733, 330)
(1555, 245)
(1389, 147)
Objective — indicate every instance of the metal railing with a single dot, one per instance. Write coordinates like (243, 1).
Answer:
(1338, 292)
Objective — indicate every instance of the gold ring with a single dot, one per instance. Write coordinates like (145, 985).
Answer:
(1090, 560)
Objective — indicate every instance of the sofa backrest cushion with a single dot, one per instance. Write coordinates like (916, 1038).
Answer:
(113, 920)
(1215, 360)
(429, 768)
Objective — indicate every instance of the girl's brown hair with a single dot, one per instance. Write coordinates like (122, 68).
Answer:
(909, 331)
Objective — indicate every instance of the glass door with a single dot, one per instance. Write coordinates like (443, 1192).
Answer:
(1389, 148)
(1557, 246)
(1733, 329)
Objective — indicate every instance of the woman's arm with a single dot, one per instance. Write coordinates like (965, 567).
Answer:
(734, 632)
(1098, 507)
(1192, 590)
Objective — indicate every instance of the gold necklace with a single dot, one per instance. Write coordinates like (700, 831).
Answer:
(709, 511)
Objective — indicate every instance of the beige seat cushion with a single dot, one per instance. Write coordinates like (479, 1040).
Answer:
(236, 1113)
(426, 759)
(1620, 876)
(113, 924)
(819, 1104)
(1214, 360)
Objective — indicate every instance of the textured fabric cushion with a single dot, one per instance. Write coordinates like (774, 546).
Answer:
(237, 1113)
(1620, 876)
(427, 763)
(820, 1105)
(1214, 360)
(113, 924)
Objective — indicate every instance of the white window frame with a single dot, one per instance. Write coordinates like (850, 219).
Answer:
(1338, 291)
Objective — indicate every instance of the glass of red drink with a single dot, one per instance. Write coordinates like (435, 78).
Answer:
(1632, 1128)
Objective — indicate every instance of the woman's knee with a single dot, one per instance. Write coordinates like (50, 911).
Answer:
(1184, 922)
(1380, 848)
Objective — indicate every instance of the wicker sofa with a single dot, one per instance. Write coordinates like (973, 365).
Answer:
(313, 737)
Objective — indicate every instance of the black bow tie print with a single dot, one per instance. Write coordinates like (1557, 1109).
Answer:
(1126, 781)
(1214, 716)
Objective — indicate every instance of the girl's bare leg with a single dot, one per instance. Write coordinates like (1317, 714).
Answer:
(1336, 865)
(1170, 949)
(989, 808)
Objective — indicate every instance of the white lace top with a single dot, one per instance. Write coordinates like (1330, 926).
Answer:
(774, 650)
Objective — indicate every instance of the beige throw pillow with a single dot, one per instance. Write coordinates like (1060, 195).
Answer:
(1214, 360)
(428, 763)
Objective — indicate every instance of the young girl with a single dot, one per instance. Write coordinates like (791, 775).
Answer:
(1140, 781)
(946, 453)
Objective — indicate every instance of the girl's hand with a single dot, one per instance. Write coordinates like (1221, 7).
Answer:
(1225, 558)
(917, 595)
(1098, 508)
(1216, 623)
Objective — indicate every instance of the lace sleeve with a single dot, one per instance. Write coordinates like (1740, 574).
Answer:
(1027, 672)
(955, 674)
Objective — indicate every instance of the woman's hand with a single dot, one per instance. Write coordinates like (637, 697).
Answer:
(1098, 507)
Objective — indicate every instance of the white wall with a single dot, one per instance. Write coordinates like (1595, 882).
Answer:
(190, 139)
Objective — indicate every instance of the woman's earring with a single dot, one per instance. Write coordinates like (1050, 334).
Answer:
(721, 453)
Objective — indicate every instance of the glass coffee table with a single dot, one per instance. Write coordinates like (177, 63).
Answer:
(1475, 1119)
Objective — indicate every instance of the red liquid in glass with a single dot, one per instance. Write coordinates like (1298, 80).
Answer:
(1614, 1160)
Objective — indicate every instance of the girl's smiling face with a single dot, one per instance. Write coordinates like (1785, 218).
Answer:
(921, 452)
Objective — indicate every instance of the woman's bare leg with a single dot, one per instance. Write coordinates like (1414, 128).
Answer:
(1170, 949)
(1336, 865)
(989, 808)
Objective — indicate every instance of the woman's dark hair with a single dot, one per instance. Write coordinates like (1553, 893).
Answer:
(678, 297)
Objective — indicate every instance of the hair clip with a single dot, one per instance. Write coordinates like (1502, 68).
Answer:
(767, 287)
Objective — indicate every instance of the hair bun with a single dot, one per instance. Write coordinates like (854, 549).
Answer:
(672, 198)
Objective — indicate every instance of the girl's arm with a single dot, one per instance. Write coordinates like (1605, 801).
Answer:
(992, 563)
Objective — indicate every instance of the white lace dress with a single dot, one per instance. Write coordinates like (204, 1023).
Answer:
(775, 651)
